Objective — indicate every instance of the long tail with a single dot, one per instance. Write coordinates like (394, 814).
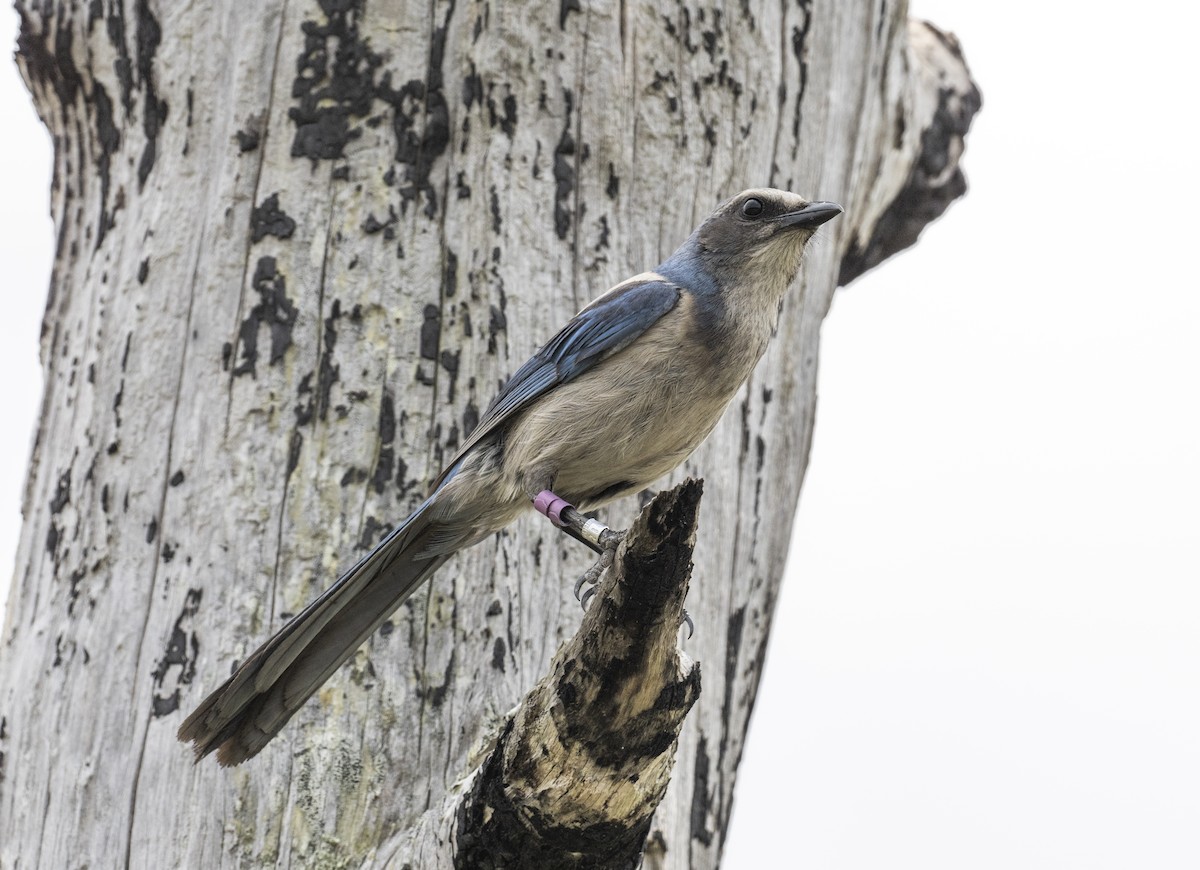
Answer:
(241, 717)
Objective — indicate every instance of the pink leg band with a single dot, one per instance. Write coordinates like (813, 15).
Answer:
(551, 506)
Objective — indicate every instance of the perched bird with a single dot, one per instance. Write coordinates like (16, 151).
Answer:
(618, 398)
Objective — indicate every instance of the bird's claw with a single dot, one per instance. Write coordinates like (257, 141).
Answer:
(609, 541)
(587, 598)
(691, 626)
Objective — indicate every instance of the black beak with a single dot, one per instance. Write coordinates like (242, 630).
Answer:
(812, 215)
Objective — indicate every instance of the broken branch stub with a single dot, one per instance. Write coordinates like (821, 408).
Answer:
(582, 764)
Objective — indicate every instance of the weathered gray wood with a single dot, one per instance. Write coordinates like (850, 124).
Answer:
(299, 246)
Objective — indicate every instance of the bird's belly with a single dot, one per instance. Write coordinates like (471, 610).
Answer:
(617, 429)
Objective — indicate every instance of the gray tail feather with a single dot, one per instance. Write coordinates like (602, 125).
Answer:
(242, 715)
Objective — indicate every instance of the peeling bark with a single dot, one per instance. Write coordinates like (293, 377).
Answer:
(299, 245)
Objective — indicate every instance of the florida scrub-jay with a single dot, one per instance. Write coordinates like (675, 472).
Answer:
(618, 398)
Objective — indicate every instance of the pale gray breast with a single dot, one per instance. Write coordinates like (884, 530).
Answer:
(633, 418)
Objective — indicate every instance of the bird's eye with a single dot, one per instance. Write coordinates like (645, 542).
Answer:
(752, 208)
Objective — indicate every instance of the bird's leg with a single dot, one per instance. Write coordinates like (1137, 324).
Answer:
(564, 516)
(593, 533)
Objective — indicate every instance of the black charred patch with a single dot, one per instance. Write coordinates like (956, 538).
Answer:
(564, 172)
(421, 121)
(613, 188)
(431, 328)
(179, 658)
(49, 62)
(154, 110)
(114, 24)
(373, 225)
(450, 274)
(733, 647)
(699, 812)
(295, 443)
(565, 8)
(373, 532)
(247, 140)
(275, 311)
(504, 114)
(497, 324)
(602, 240)
(51, 65)
(435, 696)
(499, 651)
(306, 406)
(470, 418)
(403, 482)
(143, 271)
(472, 88)
(62, 493)
(334, 82)
(269, 219)
(386, 462)
(328, 373)
(151, 530)
(109, 140)
(495, 206)
(799, 38)
(176, 478)
(117, 399)
(75, 582)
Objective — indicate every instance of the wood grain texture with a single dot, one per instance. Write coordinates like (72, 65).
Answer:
(299, 246)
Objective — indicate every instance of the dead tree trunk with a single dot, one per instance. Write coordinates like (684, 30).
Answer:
(299, 246)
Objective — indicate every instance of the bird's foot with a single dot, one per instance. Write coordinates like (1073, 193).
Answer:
(609, 541)
(594, 533)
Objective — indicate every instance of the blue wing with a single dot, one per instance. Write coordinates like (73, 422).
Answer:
(607, 325)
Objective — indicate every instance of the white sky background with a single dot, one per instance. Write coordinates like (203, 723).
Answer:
(987, 652)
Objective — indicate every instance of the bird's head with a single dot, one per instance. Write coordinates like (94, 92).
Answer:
(763, 225)
(754, 241)
(757, 237)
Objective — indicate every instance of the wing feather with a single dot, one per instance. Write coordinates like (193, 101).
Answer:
(606, 326)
